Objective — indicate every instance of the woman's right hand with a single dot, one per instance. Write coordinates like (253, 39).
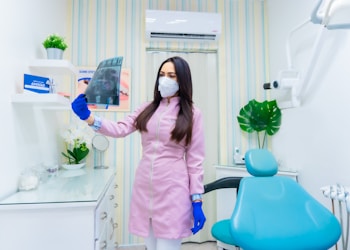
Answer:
(80, 107)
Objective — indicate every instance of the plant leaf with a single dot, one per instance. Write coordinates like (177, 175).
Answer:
(260, 116)
(80, 153)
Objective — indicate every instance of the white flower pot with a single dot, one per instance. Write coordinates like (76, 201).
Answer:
(54, 53)
(73, 166)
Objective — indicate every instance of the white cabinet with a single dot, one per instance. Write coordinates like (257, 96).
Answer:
(105, 221)
(75, 210)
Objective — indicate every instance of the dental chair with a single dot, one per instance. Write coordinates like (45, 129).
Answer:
(220, 230)
(275, 212)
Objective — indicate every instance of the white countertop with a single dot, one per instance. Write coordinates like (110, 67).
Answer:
(83, 185)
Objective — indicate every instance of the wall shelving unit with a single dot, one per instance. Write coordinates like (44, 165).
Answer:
(47, 67)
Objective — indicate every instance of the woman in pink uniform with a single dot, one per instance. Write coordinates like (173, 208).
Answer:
(166, 203)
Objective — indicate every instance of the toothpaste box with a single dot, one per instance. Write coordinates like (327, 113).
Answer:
(37, 84)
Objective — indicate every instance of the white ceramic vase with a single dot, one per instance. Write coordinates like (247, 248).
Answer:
(54, 53)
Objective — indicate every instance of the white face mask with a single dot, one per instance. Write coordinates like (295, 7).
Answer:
(167, 86)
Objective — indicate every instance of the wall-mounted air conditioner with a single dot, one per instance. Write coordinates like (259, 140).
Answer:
(182, 25)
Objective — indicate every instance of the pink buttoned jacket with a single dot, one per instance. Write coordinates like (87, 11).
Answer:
(167, 175)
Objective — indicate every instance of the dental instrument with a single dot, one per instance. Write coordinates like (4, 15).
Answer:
(342, 195)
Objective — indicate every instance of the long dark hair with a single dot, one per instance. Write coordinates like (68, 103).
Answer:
(184, 122)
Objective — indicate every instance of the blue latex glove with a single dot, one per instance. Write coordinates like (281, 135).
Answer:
(198, 216)
(80, 107)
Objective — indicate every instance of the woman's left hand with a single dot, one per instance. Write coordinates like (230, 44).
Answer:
(198, 216)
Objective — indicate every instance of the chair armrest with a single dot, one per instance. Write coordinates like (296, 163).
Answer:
(226, 182)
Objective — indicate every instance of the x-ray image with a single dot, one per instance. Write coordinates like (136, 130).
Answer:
(104, 87)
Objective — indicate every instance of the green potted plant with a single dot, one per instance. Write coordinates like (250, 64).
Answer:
(260, 117)
(55, 45)
(77, 139)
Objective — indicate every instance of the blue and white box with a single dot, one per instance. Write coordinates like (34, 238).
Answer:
(37, 84)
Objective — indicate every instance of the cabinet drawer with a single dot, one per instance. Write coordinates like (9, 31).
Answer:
(101, 217)
(101, 243)
(105, 212)
(111, 199)
(112, 223)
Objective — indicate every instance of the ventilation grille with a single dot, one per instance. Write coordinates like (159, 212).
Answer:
(208, 37)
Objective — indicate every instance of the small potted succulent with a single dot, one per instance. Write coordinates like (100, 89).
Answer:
(260, 117)
(55, 45)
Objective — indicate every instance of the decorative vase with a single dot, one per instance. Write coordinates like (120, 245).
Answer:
(54, 53)
(73, 166)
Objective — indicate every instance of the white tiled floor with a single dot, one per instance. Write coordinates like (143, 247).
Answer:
(199, 246)
(185, 246)
(131, 248)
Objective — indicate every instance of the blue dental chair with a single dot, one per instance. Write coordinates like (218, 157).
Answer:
(273, 212)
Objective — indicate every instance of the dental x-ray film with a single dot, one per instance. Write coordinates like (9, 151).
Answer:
(104, 87)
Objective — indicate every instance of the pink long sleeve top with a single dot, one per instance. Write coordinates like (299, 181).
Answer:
(168, 172)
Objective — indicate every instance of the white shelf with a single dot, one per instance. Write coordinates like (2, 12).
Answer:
(52, 67)
(46, 100)
(46, 67)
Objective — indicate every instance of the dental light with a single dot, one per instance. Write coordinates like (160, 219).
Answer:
(329, 14)
(333, 14)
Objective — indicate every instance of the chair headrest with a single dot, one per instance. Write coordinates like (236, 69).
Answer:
(260, 162)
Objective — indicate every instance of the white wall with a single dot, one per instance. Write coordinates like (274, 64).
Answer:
(23, 27)
(314, 138)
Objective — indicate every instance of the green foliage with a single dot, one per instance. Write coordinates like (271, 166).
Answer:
(55, 41)
(77, 154)
(260, 117)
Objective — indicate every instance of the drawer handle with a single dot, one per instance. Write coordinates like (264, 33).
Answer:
(116, 186)
(103, 245)
(115, 205)
(111, 197)
(114, 225)
(104, 216)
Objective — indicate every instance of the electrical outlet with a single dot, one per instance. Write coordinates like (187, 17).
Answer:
(238, 158)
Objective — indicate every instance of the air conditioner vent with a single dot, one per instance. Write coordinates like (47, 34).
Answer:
(183, 36)
(188, 26)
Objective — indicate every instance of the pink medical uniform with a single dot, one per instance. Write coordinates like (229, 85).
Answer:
(167, 175)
